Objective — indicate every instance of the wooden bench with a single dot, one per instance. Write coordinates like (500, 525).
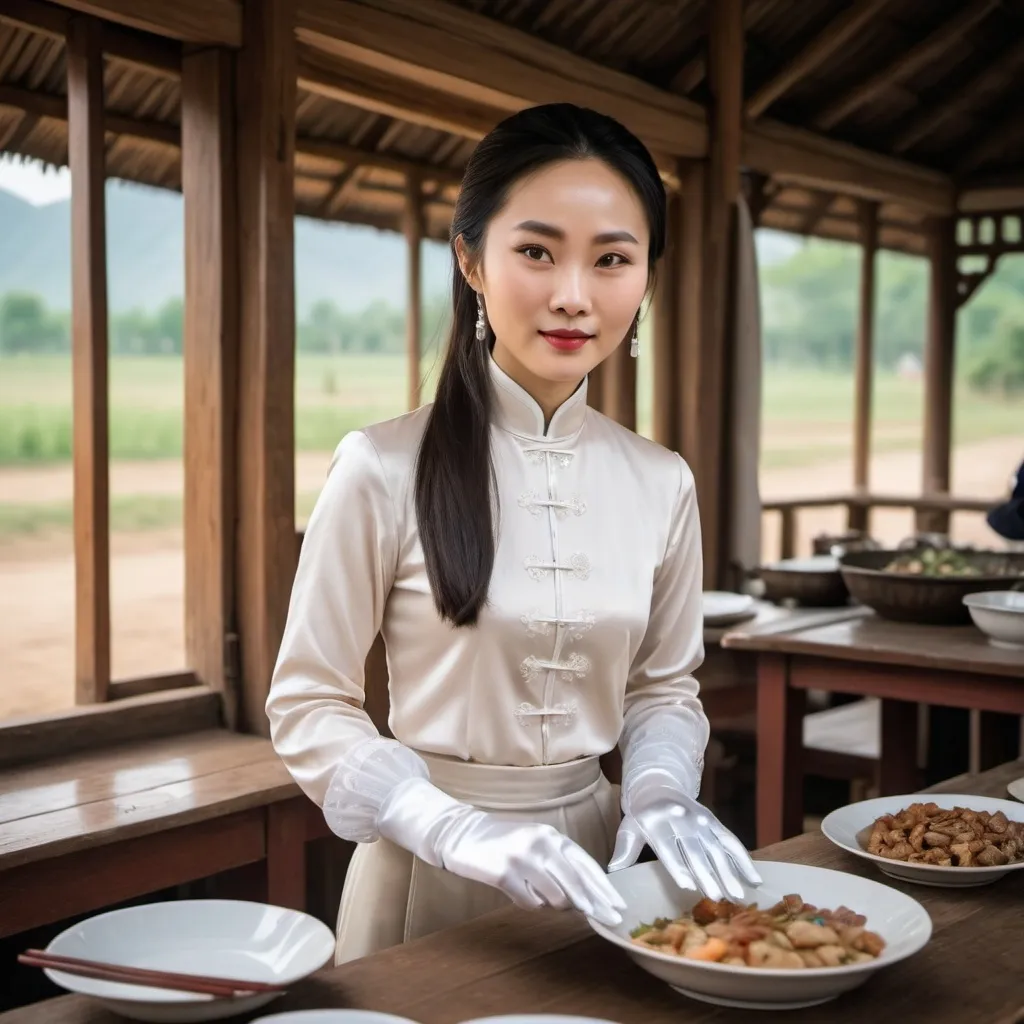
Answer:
(91, 829)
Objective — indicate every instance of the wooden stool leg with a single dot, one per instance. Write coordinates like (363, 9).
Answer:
(286, 854)
(897, 770)
(780, 713)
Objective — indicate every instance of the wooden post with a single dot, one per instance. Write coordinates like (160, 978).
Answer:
(666, 393)
(414, 284)
(619, 384)
(595, 387)
(707, 361)
(89, 343)
(211, 364)
(266, 547)
(939, 361)
(868, 215)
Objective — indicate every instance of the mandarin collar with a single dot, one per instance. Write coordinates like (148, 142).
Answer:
(516, 411)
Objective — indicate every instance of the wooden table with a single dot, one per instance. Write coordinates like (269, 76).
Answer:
(146, 816)
(903, 664)
(513, 961)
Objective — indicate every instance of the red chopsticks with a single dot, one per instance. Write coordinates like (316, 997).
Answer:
(224, 988)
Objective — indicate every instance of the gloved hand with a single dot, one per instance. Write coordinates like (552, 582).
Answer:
(533, 864)
(695, 848)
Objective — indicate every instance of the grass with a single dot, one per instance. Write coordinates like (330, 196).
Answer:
(807, 417)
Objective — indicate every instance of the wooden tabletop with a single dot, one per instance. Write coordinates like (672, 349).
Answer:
(773, 618)
(865, 637)
(513, 961)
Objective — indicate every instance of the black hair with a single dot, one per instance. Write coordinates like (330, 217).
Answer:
(454, 471)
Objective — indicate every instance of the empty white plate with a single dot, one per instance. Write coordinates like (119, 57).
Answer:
(537, 1018)
(223, 938)
(850, 828)
(722, 607)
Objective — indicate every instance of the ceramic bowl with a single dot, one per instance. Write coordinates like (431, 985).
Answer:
(223, 938)
(849, 827)
(1000, 615)
(649, 893)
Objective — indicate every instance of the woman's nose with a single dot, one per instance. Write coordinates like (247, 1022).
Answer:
(571, 295)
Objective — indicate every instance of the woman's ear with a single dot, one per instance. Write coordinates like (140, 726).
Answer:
(466, 265)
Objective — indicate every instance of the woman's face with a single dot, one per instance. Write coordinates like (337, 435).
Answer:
(563, 273)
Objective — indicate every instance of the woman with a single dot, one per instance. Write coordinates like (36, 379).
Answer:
(535, 569)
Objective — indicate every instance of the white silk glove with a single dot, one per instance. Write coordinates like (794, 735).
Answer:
(658, 801)
(384, 789)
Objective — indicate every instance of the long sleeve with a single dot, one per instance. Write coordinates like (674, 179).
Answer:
(315, 705)
(664, 721)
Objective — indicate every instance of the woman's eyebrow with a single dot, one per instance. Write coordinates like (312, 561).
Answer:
(538, 227)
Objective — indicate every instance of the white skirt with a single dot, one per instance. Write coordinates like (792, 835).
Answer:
(391, 897)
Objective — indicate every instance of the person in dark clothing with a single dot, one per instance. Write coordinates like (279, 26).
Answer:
(1007, 519)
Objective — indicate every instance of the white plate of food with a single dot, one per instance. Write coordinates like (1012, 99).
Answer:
(775, 949)
(943, 839)
(722, 607)
(250, 942)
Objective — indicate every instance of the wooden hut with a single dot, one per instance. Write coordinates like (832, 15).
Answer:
(888, 122)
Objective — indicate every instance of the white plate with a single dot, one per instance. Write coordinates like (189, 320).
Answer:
(225, 938)
(650, 893)
(1000, 615)
(332, 1017)
(849, 827)
(537, 1018)
(722, 607)
(1016, 789)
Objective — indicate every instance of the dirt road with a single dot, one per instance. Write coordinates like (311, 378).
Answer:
(147, 569)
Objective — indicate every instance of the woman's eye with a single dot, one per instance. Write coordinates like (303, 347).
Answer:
(612, 259)
(534, 252)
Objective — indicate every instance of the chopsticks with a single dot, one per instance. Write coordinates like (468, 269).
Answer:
(224, 988)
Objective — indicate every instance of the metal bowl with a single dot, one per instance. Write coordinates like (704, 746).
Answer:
(929, 600)
(815, 582)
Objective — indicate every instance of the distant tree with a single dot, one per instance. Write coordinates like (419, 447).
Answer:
(27, 326)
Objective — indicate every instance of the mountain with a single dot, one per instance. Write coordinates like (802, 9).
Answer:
(348, 264)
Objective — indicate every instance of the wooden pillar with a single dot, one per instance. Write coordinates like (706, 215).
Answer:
(414, 284)
(266, 547)
(595, 387)
(89, 344)
(707, 362)
(211, 364)
(619, 385)
(690, 313)
(940, 348)
(864, 373)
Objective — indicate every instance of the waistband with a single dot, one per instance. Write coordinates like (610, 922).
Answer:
(509, 788)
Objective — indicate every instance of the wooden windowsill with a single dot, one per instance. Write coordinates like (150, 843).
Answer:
(146, 716)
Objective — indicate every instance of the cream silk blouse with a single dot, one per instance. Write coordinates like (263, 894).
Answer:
(593, 626)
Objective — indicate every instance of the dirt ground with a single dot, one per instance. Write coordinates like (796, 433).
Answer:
(147, 569)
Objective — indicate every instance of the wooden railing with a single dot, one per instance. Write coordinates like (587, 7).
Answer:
(931, 512)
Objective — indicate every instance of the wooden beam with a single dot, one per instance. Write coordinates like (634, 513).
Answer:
(939, 362)
(461, 53)
(864, 373)
(933, 46)
(1006, 129)
(413, 224)
(667, 334)
(618, 381)
(814, 213)
(217, 22)
(961, 100)
(89, 346)
(832, 38)
(725, 79)
(797, 156)
(210, 343)
(265, 535)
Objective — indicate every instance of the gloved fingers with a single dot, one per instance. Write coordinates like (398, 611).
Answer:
(629, 841)
(545, 890)
(519, 890)
(663, 841)
(588, 887)
(696, 860)
(724, 868)
(739, 855)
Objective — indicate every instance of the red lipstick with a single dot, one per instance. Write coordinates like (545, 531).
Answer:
(566, 340)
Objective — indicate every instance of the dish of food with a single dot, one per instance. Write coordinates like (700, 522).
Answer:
(951, 840)
(791, 934)
(925, 833)
(933, 562)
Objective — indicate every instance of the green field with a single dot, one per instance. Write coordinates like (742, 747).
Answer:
(807, 418)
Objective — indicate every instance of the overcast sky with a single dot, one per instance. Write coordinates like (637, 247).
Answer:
(28, 179)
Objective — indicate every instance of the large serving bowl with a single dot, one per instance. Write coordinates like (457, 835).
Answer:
(649, 893)
(849, 827)
(222, 938)
(1000, 615)
(815, 582)
(927, 599)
